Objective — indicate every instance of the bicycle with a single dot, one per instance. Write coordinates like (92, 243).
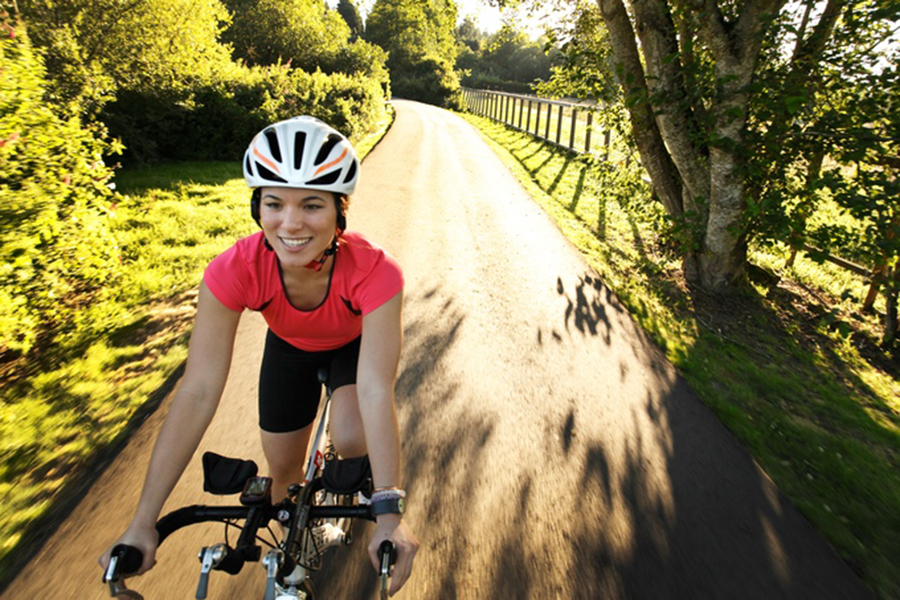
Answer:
(327, 496)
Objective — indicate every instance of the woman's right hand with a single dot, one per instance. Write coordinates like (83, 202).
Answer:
(144, 538)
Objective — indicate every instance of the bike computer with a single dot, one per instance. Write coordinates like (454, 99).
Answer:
(257, 490)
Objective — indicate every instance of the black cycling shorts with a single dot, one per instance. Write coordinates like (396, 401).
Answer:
(289, 388)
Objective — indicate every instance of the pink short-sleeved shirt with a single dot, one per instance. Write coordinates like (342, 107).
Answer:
(364, 277)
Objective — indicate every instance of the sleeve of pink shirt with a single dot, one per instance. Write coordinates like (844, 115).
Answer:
(383, 282)
(227, 277)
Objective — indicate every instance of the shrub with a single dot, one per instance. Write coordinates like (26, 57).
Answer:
(54, 205)
(215, 120)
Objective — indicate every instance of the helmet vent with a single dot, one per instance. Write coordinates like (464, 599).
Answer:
(272, 138)
(326, 179)
(248, 164)
(351, 172)
(269, 175)
(299, 145)
(330, 142)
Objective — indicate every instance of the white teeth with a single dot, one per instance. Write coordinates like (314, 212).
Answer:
(293, 243)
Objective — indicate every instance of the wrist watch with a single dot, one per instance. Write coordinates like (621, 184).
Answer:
(396, 506)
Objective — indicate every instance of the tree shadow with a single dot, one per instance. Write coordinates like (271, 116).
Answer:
(586, 312)
(714, 527)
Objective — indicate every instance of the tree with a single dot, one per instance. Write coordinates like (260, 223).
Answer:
(92, 48)
(419, 38)
(302, 32)
(349, 11)
(714, 91)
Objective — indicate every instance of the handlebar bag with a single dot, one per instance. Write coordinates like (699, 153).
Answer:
(224, 476)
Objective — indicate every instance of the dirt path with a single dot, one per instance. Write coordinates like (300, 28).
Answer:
(550, 450)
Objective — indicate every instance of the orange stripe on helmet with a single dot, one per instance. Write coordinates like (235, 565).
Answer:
(332, 163)
(271, 165)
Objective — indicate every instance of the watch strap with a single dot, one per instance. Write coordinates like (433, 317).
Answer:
(396, 506)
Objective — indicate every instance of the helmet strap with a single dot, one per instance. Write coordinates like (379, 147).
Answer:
(320, 262)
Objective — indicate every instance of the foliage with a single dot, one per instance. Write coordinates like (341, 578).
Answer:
(418, 36)
(506, 60)
(160, 126)
(55, 198)
(584, 68)
(95, 47)
(302, 33)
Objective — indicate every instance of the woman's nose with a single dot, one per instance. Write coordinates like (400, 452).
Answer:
(293, 219)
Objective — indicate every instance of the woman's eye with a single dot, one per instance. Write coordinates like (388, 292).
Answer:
(272, 205)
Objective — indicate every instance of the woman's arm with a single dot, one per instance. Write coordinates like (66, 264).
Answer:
(379, 355)
(192, 409)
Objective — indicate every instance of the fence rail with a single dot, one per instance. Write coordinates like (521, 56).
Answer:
(569, 125)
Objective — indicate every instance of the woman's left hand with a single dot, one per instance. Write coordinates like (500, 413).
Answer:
(394, 528)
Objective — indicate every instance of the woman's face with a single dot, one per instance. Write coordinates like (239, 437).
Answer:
(299, 224)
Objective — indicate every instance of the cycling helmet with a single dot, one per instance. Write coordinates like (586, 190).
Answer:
(302, 152)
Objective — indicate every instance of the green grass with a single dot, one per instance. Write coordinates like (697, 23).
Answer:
(62, 414)
(818, 410)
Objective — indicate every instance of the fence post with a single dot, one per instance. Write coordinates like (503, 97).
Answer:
(606, 141)
(572, 132)
(528, 119)
(537, 121)
(590, 126)
(559, 124)
(521, 102)
(547, 128)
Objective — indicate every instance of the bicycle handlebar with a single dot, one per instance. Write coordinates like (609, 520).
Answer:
(126, 560)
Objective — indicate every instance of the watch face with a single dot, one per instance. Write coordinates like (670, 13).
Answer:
(401, 505)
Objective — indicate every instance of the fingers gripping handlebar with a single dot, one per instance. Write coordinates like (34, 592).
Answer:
(123, 560)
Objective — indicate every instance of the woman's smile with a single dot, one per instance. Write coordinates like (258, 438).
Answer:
(295, 244)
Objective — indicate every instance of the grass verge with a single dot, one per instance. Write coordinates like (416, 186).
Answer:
(63, 415)
(815, 403)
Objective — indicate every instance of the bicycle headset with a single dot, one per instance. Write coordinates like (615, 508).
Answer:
(302, 152)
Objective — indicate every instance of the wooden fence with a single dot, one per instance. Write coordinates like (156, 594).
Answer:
(569, 125)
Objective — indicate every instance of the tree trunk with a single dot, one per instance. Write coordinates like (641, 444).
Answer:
(724, 256)
(654, 155)
(890, 318)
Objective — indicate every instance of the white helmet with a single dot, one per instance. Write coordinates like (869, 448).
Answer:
(302, 152)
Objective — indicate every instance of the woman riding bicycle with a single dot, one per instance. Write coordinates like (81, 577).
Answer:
(330, 298)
